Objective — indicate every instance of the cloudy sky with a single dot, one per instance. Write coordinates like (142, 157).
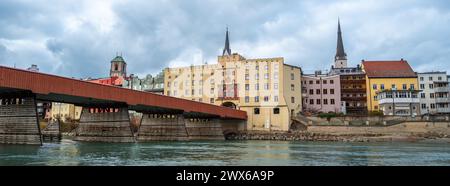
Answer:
(79, 38)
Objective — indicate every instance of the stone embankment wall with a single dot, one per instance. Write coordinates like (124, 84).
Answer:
(408, 131)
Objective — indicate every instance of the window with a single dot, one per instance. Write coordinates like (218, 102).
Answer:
(318, 101)
(275, 98)
(275, 75)
(247, 87)
(439, 78)
(422, 86)
(266, 76)
(318, 91)
(275, 86)
(424, 106)
(331, 91)
(331, 81)
(431, 95)
(247, 99)
(393, 86)
(430, 78)
(411, 86)
(317, 82)
(212, 91)
(200, 92)
(257, 76)
(374, 86)
(292, 76)
(325, 101)
(311, 91)
(431, 86)
(311, 82)
(311, 102)
(325, 91)
(116, 67)
(276, 110)
(266, 67)
(193, 92)
(266, 86)
(292, 87)
(404, 87)
(292, 99)
(175, 93)
(375, 98)
(256, 99)
(332, 101)
(433, 106)
(256, 111)
(247, 77)
(324, 81)
(257, 86)
(422, 95)
(382, 86)
(266, 98)
(256, 67)
(186, 92)
(421, 78)
(211, 100)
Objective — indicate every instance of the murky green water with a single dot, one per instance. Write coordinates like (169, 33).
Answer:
(69, 152)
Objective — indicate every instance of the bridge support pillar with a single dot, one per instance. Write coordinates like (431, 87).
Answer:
(52, 132)
(204, 129)
(162, 127)
(104, 125)
(19, 122)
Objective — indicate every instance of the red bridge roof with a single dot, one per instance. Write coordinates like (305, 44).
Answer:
(61, 89)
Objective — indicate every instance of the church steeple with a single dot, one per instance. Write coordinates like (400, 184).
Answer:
(227, 49)
(340, 59)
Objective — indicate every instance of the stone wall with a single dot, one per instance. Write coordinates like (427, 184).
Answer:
(19, 124)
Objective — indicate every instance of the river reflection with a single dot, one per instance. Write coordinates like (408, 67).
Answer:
(227, 153)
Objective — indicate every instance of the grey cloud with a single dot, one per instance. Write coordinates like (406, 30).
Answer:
(79, 38)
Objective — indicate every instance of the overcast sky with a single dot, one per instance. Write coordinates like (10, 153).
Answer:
(79, 38)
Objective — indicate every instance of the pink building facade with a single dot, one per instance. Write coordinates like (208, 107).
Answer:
(321, 93)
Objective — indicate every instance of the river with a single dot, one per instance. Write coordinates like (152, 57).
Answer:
(205, 153)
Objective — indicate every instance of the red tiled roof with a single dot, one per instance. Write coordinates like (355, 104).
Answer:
(388, 69)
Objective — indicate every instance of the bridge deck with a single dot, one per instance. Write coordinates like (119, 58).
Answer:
(67, 90)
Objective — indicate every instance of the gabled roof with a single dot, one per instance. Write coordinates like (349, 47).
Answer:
(388, 69)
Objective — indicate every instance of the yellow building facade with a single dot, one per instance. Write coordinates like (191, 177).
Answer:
(267, 89)
(65, 111)
(387, 75)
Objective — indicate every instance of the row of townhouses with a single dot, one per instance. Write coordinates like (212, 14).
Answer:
(272, 91)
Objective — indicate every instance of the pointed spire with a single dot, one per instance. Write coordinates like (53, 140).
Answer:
(340, 52)
(227, 49)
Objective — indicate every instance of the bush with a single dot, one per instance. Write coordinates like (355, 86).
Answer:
(328, 115)
(376, 113)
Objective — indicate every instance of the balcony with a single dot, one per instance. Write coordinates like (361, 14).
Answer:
(398, 100)
(441, 89)
(442, 100)
(353, 90)
(353, 81)
(443, 110)
(354, 98)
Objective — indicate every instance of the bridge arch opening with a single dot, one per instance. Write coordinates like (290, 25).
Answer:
(229, 105)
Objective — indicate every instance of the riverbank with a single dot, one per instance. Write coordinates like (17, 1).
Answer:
(311, 136)
(404, 132)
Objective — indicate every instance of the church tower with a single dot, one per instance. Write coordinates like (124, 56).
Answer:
(340, 60)
(118, 67)
(227, 49)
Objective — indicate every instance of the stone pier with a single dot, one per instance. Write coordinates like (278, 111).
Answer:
(18, 120)
(204, 129)
(162, 127)
(52, 132)
(104, 125)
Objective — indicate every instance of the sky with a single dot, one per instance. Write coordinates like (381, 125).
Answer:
(79, 38)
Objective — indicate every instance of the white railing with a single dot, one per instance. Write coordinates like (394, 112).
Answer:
(442, 100)
(441, 89)
(398, 100)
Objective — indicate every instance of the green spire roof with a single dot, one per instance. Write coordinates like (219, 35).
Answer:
(118, 59)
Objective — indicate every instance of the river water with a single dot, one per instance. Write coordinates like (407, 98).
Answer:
(264, 153)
